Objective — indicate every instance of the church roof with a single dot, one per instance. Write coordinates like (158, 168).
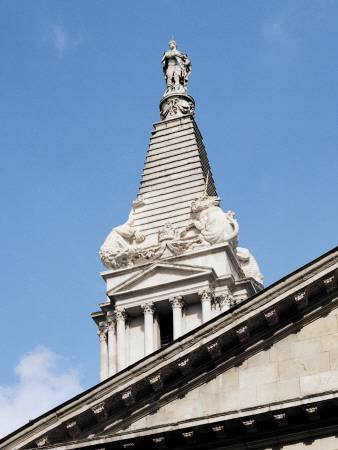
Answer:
(107, 415)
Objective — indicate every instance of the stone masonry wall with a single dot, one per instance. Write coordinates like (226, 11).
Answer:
(301, 364)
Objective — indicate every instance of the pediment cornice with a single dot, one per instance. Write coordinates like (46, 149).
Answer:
(193, 359)
(180, 272)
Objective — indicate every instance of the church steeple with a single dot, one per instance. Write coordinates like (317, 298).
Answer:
(175, 263)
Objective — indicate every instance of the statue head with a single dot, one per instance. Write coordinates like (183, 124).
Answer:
(172, 44)
(199, 204)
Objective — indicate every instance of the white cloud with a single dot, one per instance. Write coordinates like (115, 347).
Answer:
(44, 382)
(61, 40)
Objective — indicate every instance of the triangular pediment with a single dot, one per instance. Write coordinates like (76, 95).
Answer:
(160, 274)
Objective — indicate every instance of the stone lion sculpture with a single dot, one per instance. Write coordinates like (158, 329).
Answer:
(214, 225)
(249, 264)
(117, 249)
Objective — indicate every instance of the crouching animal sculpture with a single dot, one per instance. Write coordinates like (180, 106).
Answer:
(249, 264)
(214, 225)
(117, 249)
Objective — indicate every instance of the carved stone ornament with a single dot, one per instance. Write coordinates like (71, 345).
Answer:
(73, 428)
(118, 248)
(271, 317)
(243, 334)
(167, 232)
(176, 69)
(42, 441)
(249, 264)
(250, 426)
(219, 431)
(100, 411)
(226, 300)
(123, 246)
(213, 225)
(189, 437)
(177, 302)
(330, 284)
(185, 366)
(121, 314)
(281, 419)
(160, 442)
(312, 413)
(128, 397)
(148, 308)
(175, 105)
(102, 333)
(301, 299)
(214, 350)
(206, 296)
(156, 382)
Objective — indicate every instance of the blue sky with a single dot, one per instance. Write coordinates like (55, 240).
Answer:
(80, 86)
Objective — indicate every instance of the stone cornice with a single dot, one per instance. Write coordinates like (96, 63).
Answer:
(175, 259)
(210, 349)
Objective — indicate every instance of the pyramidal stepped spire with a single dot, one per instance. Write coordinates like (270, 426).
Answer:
(177, 209)
(175, 263)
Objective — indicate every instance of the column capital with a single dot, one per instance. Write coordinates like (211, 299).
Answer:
(177, 302)
(102, 333)
(111, 320)
(226, 299)
(148, 308)
(206, 295)
(120, 314)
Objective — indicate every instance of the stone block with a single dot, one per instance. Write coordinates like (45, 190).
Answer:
(268, 393)
(229, 380)
(281, 353)
(260, 359)
(278, 391)
(334, 359)
(320, 382)
(329, 342)
(287, 340)
(258, 375)
(289, 389)
(304, 366)
(320, 327)
(238, 398)
(305, 348)
(291, 369)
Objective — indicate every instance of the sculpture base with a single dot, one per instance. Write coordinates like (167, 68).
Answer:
(176, 105)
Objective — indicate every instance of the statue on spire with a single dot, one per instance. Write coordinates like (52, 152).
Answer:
(176, 69)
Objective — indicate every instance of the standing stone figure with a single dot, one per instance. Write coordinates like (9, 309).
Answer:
(176, 69)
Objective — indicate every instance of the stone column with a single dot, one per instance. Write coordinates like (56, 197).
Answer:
(177, 304)
(121, 318)
(206, 299)
(104, 365)
(148, 311)
(112, 344)
(225, 301)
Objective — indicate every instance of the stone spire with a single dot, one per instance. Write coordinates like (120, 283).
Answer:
(174, 264)
(176, 180)
(177, 209)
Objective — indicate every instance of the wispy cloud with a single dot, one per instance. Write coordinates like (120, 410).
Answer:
(61, 39)
(278, 27)
(44, 381)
